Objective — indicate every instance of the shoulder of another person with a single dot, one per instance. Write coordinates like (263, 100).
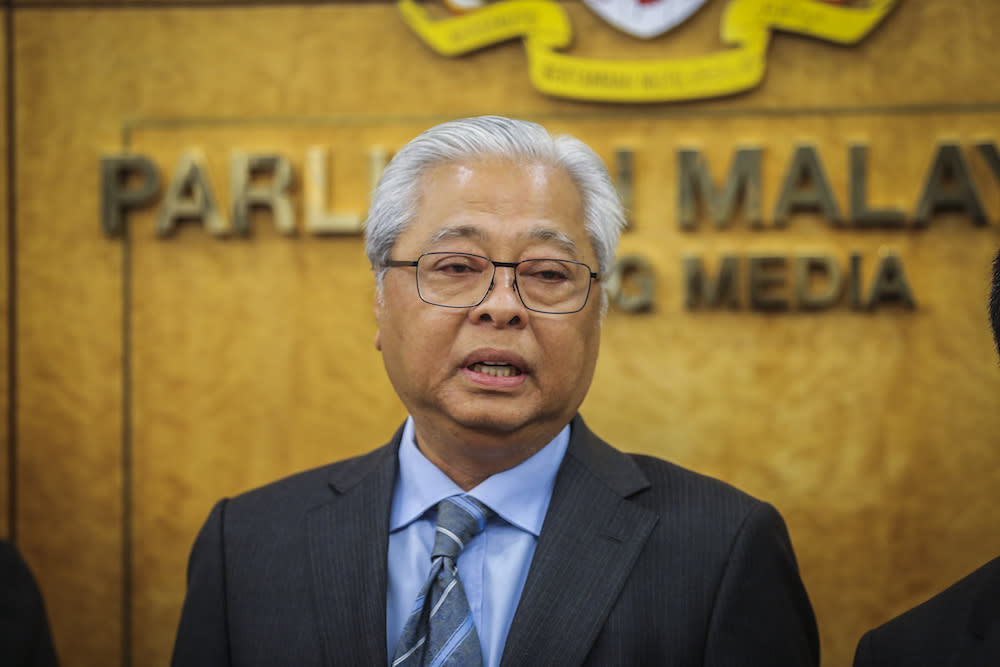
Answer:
(941, 619)
(17, 577)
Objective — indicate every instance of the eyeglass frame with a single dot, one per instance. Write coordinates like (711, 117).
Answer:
(511, 265)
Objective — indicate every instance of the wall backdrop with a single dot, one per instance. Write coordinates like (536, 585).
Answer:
(150, 374)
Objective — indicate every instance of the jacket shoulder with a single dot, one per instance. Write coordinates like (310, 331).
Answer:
(673, 487)
(301, 491)
(685, 499)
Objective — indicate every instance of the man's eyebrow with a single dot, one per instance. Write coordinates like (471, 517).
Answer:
(456, 232)
(560, 238)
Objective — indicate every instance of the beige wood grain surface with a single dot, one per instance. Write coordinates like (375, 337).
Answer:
(6, 489)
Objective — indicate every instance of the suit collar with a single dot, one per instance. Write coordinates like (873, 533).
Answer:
(347, 474)
(590, 540)
(608, 465)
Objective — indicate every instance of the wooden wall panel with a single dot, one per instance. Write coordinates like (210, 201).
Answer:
(69, 339)
(6, 257)
(157, 375)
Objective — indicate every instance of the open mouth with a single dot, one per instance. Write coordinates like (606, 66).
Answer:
(496, 369)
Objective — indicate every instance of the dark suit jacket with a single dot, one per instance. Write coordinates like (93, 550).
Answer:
(958, 627)
(639, 562)
(25, 640)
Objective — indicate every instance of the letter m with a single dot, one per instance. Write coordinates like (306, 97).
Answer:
(695, 182)
(701, 289)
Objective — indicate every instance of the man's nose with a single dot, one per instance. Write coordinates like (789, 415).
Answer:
(502, 306)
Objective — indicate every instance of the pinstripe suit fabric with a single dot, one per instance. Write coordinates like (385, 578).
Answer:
(639, 562)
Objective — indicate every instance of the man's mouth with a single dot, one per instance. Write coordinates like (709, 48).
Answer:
(497, 370)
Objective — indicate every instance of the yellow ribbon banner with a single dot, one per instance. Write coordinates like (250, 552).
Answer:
(545, 28)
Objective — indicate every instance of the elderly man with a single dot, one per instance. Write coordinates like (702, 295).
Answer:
(960, 626)
(494, 528)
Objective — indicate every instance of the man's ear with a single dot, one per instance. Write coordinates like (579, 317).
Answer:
(378, 319)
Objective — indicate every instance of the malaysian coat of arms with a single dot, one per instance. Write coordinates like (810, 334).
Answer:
(545, 30)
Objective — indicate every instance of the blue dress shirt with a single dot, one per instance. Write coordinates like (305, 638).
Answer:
(494, 564)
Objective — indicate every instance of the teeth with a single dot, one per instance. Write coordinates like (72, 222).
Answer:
(496, 370)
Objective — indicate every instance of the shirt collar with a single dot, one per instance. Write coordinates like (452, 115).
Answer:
(519, 495)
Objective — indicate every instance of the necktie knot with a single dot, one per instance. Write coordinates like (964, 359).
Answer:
(460, 518)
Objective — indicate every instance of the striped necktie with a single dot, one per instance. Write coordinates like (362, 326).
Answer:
(440, 630)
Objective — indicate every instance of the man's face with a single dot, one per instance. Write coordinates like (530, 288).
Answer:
(435, 356)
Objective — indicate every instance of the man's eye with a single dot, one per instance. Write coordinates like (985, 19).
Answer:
(456, 269)
(550, 272)
(549, 275)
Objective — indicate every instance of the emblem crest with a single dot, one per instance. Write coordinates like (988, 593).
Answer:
(544, 29)
(644, 18)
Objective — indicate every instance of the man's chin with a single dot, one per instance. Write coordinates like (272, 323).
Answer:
(519, 428)
(492, 424)
(494, 419)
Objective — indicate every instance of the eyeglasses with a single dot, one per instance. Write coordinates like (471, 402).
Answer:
(461, 280)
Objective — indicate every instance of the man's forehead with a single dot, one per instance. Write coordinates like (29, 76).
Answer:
(483, 233)
(469, 169)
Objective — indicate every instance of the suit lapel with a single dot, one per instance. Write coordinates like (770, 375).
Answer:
(348, 546)
(589, 542)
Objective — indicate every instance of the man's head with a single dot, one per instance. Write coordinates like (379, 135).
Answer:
(995, 301)
(397, 197)
(487, 376)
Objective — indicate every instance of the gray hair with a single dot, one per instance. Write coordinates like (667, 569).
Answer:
(396, 198)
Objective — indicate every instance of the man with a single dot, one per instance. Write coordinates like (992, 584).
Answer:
(489, 238)
(958, 627)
